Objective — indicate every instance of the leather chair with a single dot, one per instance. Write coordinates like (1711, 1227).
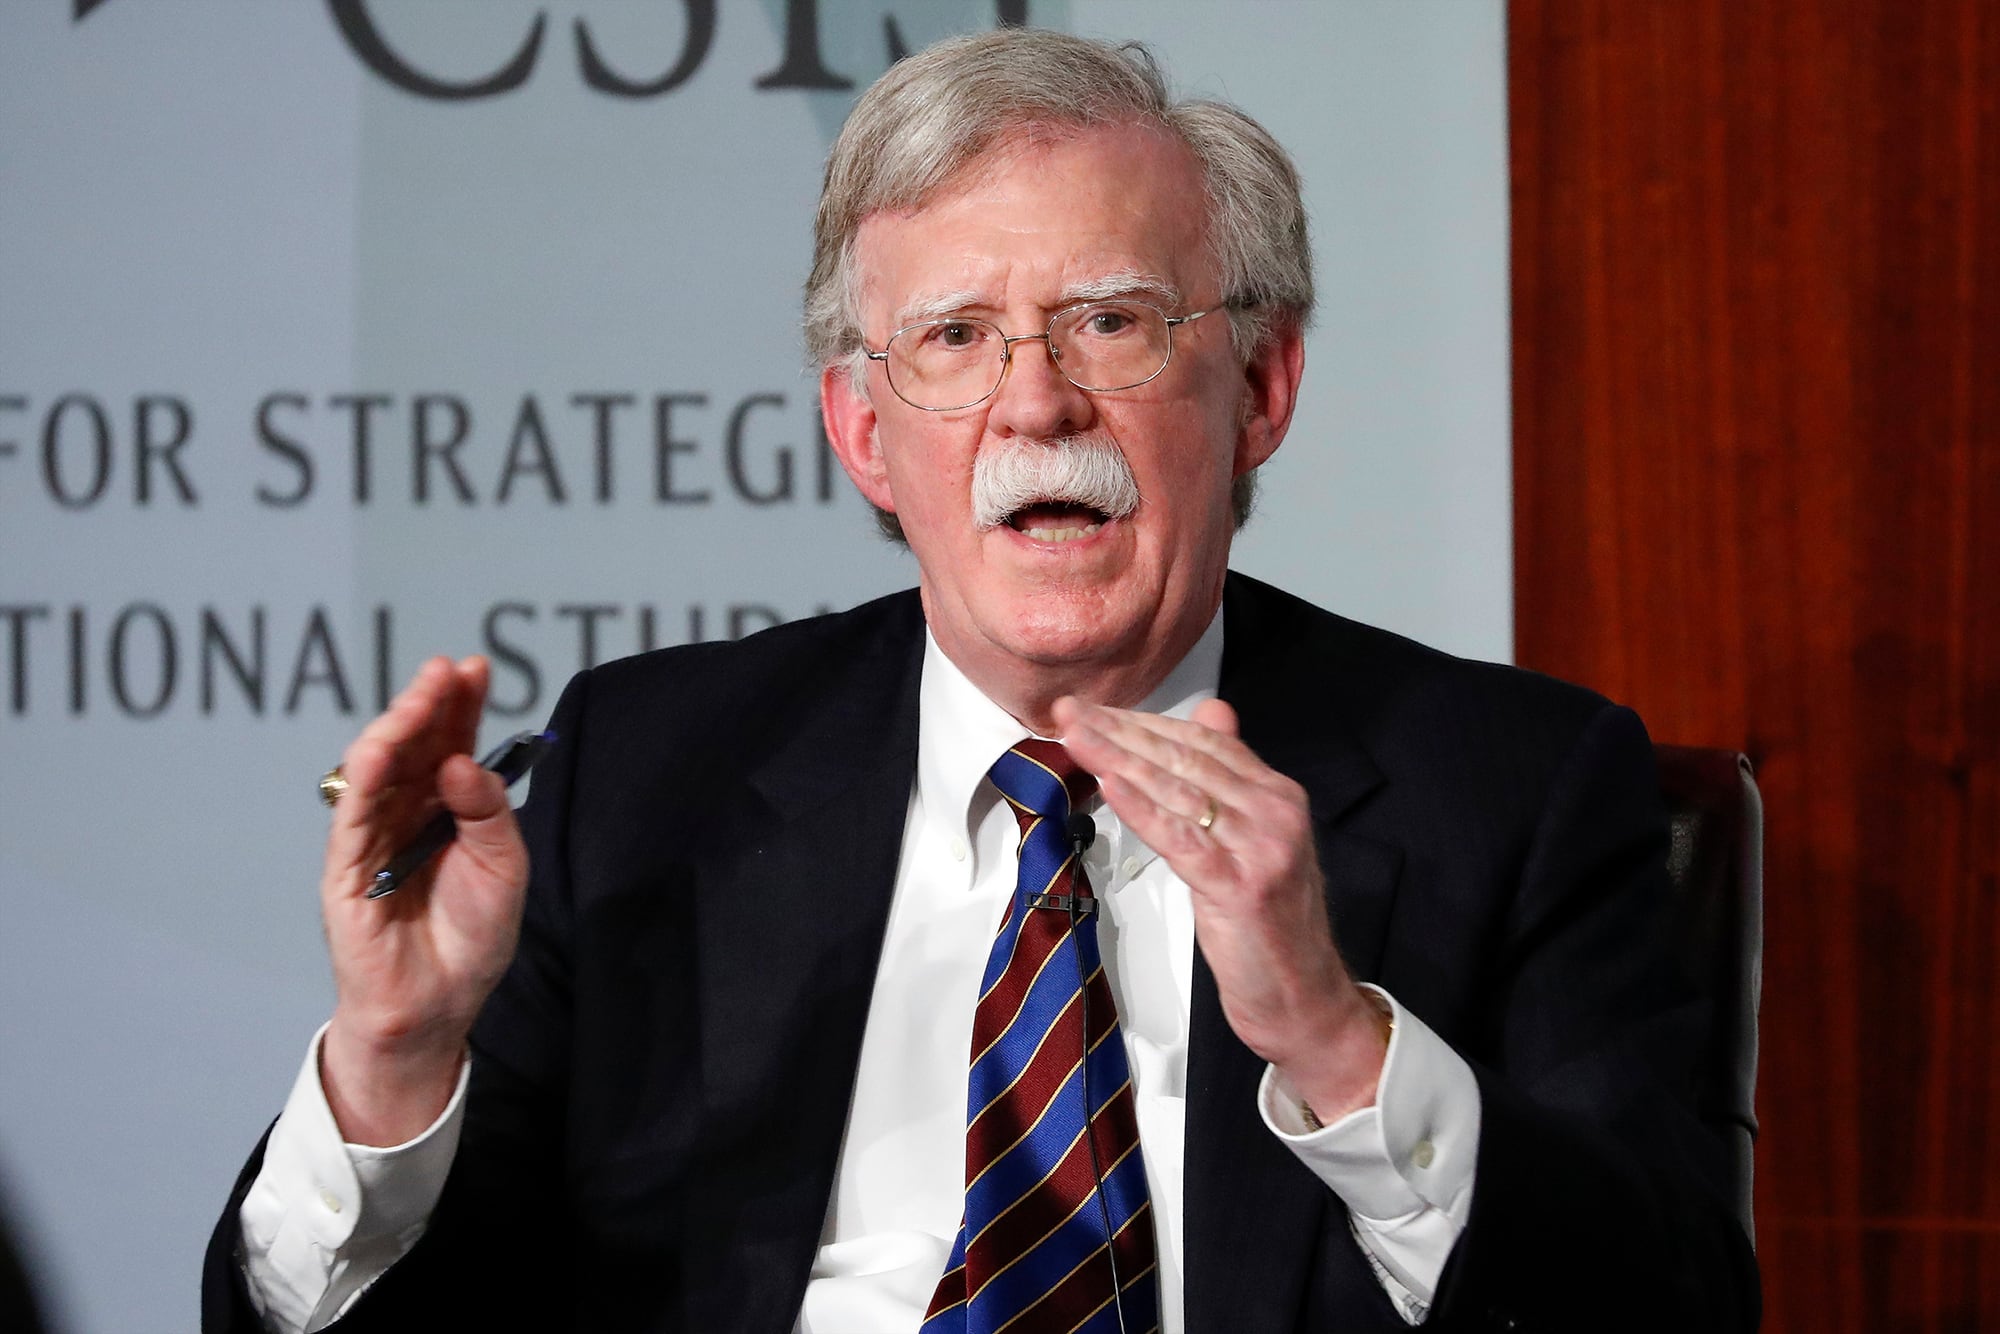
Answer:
(1716, 863)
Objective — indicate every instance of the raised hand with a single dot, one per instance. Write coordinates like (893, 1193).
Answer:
(411, 970)
(1240, 834)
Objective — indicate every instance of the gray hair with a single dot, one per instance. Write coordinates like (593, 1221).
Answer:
(939, 111)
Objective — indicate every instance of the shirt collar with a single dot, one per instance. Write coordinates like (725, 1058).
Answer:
(960, 732)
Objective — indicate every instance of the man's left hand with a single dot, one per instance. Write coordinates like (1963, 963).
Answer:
(1240, 834)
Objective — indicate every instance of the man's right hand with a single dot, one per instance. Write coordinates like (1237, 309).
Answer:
(412, 969)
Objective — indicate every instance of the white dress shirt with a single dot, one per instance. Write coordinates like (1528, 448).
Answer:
(324, 1220)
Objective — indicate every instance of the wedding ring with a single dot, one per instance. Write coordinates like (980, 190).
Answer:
(1208, 816)
(332, 786)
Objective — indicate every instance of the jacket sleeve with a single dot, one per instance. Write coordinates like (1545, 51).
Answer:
(494, 1252)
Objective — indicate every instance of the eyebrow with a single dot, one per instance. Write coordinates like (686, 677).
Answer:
(1124, 282)
(1121, 283)
(935, 305)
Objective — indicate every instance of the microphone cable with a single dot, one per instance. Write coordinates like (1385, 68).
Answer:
(1082, 831)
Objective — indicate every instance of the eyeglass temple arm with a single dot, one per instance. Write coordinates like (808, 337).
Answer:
(1173, 320)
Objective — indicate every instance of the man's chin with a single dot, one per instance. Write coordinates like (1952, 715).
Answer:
(1066, 627)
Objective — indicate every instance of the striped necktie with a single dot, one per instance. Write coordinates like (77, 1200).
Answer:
(1030, 1256)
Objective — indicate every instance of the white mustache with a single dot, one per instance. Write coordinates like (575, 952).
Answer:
(1086, 470)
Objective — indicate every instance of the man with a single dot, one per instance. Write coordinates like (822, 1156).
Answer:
(719, 1050)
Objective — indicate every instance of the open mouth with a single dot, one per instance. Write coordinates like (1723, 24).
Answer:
(1057, 521)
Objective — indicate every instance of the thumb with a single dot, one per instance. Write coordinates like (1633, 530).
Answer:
(1216, 716)
(477, 798)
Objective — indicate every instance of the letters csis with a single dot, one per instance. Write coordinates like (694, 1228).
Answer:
(802, 67)
(143, 660)
(443, 452)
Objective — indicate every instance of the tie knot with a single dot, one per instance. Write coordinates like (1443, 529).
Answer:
(1040, 778)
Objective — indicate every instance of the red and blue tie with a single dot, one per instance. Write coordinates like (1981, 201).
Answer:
(1031, 1254)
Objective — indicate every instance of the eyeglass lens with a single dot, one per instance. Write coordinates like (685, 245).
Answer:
(955, 363)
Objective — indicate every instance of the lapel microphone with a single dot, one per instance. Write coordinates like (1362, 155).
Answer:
(1082, 831)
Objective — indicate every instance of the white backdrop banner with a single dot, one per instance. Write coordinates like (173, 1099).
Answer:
(338, 333)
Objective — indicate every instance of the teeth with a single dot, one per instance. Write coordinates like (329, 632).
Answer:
(1062, 534)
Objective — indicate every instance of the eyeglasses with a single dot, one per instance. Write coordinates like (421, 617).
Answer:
(1099, 346)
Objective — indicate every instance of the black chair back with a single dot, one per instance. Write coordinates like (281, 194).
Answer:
(1716, 863)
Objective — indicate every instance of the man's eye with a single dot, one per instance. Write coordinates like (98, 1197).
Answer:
(1105, 321)
(954, 334)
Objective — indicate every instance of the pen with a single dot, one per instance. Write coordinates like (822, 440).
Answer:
(511, 759)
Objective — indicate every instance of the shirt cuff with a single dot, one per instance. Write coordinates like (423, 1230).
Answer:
(400, 1185)
(318, 1202)
(1405, 1166)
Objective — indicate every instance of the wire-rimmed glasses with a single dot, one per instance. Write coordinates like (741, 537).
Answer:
(1101, 346)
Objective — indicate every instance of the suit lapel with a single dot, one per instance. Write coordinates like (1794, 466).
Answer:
(789, 924)
(1254, 1214)
(790, 921)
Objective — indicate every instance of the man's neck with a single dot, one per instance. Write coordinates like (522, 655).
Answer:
(1028, 691)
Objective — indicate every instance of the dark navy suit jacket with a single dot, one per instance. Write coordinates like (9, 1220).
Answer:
(661, 1082)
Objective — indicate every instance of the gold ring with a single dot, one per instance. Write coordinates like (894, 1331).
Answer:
(332, 786)
(1208, 816)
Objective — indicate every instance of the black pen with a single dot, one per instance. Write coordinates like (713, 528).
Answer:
(511, 759)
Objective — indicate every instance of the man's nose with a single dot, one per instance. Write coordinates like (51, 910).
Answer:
(1034, 399)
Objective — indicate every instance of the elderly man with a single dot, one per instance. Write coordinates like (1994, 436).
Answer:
(793, 1008)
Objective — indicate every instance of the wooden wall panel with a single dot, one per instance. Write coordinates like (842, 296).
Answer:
(1757, 495)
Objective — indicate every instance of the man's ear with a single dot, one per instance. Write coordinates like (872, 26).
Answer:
(851, 430)
(1270, 393)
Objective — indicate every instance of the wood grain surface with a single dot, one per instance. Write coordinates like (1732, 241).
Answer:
(1756, 279)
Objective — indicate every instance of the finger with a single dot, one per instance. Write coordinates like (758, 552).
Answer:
(391, 766)
(1218, 716)
(1193, 853)
(1183, 791)
(1175, 743)
(467, 701)
(1177, 817)
(1255, 814)
(425, 737)
(1149, 754)
(474, 795)
(409, 715)
(477, 799)
(488, 836)
(436, 716)
(475, 672)
(1157, 734)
